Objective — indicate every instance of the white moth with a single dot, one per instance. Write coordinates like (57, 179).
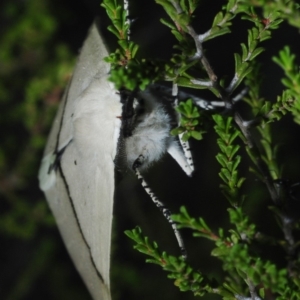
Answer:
(77, 171)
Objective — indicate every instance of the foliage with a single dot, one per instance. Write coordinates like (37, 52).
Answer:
(190, 121)
(34, 70)
(26, 36)
(249, 274)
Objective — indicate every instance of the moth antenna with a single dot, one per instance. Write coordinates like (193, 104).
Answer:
(184, 144)
(165, 211)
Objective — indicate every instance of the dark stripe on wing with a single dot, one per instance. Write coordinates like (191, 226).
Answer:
(78, 223)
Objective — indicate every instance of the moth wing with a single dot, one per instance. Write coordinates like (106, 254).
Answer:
(80, 188)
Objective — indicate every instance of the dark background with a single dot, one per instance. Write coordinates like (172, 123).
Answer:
(33, 261)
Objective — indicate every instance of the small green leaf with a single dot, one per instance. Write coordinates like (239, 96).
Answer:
(196, 135)
(219, 252)
(218, 18)
(244, 52)
(256, 52)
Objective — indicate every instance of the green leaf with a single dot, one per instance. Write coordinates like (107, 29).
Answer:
(222, 159)
(219, 252)
(196, 135)
(168, 24)
(218, 18)
(217, 31)
(225, 175)
(244, 52)
(256, 52)
(238, 61)
(114, 31)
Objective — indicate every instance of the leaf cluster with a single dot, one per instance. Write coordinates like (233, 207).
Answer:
(36, 66)
(183, 275)
(290, 99)
(39, 83)
(240, 247)
(228, 159)
(190, 121)
(120, 28)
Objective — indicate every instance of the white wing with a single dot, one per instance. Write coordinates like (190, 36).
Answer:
(81, 148)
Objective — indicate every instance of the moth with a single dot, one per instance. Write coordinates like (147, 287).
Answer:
(145, 137)
(77, 171)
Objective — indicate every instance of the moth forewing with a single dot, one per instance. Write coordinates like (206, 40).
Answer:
(77, 172)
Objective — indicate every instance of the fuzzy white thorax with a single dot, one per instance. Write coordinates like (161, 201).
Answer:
(151, 136)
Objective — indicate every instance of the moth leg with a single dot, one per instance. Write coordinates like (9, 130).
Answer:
(188, 164)
(187, 152)
(207, 105)
(183, 158)
(165, 211)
